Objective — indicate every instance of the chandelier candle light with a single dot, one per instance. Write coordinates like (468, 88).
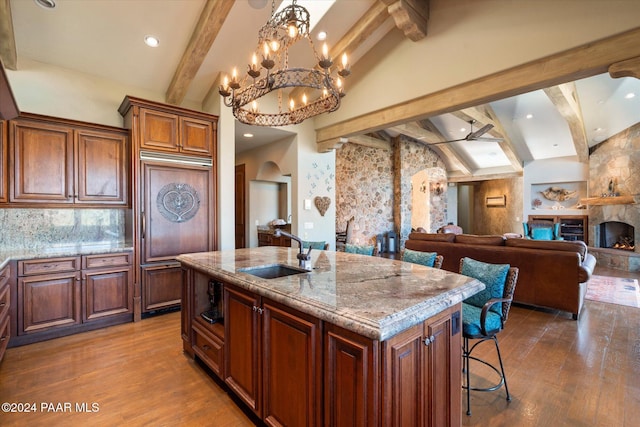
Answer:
(283, 30)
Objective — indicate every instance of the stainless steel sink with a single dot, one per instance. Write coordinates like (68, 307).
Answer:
(273, 271)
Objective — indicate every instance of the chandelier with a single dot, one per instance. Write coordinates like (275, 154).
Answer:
(283, 30)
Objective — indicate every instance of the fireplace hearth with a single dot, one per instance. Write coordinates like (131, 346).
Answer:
(617, 235)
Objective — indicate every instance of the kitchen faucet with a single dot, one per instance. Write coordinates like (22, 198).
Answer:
(303, 259)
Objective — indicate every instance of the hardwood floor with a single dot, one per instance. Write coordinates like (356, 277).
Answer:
(561, 373)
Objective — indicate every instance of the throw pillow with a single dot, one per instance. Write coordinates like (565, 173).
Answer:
(355, 249)
(542, 234)
(419, 257)
(493, 276)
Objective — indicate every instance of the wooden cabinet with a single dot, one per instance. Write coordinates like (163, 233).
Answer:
(102, 167)
(169, 132)
(173, 195)
(290, 368)
(422, 369)
(272, 359)
(161, 286)
(49, 300)
(107, 285)
(56, 162)
(41, 162)
(268, 239)
(351, 378)
(5, 305)
(59, 296)
(572, 227)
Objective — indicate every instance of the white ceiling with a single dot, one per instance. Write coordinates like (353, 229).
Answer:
(105, 38)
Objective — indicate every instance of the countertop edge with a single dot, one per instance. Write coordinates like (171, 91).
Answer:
(384, 330)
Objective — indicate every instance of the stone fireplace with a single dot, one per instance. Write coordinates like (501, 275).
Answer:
(614, 219)
(617, 235)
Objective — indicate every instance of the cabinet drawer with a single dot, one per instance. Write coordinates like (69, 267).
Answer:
(209, 348)
(49, 265)
(5, 273)
(106, 260)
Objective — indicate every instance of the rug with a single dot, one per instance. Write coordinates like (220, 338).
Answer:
(614, 290)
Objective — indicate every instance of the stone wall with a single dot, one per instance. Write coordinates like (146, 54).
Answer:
(364, 190)
(374, 186)
(616, 159)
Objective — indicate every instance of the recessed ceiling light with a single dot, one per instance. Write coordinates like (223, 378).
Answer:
(248, 135)
(630, 95)
(322, 35)
(529, 116)
(46, 4)
(257, 4)
(151, 41)
(555, 145)
(598, 129)
(463, 129)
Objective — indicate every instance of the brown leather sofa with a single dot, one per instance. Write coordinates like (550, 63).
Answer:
(553, 273)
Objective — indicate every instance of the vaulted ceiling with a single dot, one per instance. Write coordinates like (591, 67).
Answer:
(199, 39)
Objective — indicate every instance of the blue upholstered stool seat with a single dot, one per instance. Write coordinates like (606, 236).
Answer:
(471, 321)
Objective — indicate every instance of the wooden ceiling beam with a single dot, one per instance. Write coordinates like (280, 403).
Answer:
(205, 32)
(8, 53)
(431, 136)
(576, 63)
(410, 16)
(356, 35)
(628, 68)
(565, 99)
(369, 141)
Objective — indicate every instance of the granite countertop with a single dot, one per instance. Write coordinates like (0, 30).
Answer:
(62, 250)
(374, 297)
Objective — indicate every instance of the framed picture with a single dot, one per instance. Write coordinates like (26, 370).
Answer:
(497, 201)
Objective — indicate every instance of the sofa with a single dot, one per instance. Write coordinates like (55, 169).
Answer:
(553, 273)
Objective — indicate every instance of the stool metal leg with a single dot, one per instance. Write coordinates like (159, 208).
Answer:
(466, 354)
(504, 377)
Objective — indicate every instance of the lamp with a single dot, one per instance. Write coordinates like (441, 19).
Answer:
(272, 73)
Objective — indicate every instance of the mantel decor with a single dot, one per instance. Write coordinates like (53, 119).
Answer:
(496, 201)
(321, 92)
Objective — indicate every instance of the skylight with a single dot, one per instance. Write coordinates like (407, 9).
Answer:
(316, 9)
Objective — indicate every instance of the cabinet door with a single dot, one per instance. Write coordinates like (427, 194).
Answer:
(403, 384)
(158, 131)
(178, 216)
(196, 136)
(444, 369)
(291, 367)
(350, 379)
(107, 292)
(48, 301)
(4, 143)
(242, 347)
(102, 160)
(161, 286)
(41, 163)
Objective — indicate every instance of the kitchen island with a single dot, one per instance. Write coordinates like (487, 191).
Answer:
(357, 340)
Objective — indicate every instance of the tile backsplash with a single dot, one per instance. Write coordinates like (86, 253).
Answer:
(40, 228)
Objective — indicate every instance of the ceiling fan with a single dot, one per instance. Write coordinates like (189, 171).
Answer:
(474, 135)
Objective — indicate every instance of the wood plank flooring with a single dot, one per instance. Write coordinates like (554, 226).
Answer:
(560, 372)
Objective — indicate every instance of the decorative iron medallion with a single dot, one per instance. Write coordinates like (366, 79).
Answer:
(178, 202)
